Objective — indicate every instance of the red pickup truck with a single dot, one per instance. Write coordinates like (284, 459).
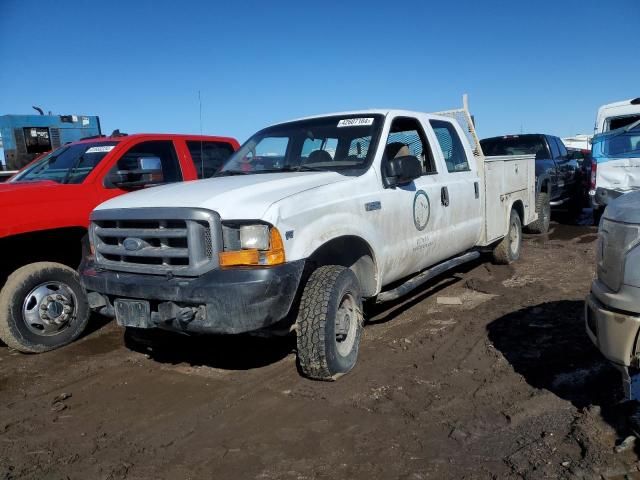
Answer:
(45, 214)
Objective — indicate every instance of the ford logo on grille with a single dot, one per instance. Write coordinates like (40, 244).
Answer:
(132, 244)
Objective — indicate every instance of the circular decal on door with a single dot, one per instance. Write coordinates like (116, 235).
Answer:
(421, 210)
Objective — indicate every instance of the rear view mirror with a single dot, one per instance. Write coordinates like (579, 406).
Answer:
(402, 170)
(148, 171)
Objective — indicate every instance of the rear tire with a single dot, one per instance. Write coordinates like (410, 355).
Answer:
(329, 324)
(543, 209)
(508, 250)
(42, 307)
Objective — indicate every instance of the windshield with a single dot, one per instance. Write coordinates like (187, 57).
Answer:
(67, 164)
(516, 145)
(336, 143)
(623, 121)
(621, 143)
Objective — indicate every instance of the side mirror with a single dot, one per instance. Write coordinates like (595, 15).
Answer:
(148, 172)
(402, 170)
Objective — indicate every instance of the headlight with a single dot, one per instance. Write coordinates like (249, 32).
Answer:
(632, 267)
(252, 245)
(254, 237)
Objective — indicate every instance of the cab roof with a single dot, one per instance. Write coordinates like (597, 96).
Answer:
(373, 111)
(154, 136)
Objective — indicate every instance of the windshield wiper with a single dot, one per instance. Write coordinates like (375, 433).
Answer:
(228, 173)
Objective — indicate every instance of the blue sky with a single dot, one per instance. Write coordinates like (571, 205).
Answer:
(537, 66)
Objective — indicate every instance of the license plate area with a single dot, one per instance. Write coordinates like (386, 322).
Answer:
(132, 313)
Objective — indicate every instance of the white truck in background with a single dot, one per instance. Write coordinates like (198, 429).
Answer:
(615, 168)
(308, 219)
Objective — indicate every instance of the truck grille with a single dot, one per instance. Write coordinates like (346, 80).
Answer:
(615, 241)
(180, 241)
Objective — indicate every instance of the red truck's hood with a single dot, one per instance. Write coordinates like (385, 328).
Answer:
(18, 191)
(30, 206)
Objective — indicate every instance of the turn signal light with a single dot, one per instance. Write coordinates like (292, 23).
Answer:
(273, 256)
(239, 257)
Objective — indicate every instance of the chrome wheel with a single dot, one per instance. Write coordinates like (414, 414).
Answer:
(49, 308)
(347, 320)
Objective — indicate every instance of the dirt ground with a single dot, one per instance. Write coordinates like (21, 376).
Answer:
(505, 385)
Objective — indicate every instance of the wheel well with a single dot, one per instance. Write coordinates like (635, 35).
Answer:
(351, 252)
(63, 245)
(519, 208)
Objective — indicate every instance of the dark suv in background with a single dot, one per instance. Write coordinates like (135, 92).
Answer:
(558, 182)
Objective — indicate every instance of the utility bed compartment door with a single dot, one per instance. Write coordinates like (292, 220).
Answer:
(495, 219)
(516, 175)
(508, 179)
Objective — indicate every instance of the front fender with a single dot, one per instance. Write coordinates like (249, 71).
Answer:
(302, 238)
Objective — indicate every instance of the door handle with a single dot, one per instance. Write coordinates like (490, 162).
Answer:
(444, 196)
(476, 188)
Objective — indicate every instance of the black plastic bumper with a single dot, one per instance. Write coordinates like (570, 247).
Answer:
(223, 301)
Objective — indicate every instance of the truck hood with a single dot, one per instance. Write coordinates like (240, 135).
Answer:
(625, 208)
(237, 197)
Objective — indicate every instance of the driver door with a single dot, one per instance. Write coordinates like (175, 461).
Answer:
(414, 216)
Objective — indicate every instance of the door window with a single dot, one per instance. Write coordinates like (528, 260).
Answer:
(555, 153)
(162, 149)
(562, 149)
(208, 156)
(407, 138)
(454, 155)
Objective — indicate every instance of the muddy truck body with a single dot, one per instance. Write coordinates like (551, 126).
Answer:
(45, 216)
(307, 220)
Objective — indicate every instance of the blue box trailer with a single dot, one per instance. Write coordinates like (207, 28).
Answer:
(24, 137)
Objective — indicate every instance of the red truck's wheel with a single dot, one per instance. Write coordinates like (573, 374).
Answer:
(42, 307)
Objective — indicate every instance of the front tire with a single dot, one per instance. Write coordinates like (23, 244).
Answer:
(329, 324)
(508, 250)
(42, 307)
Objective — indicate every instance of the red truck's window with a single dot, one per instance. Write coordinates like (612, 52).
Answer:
(208, 156)
(162, 149)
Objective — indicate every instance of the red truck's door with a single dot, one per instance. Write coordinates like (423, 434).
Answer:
(173, 167)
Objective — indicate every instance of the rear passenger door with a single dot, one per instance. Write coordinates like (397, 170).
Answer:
(208, 156)
(461, 194)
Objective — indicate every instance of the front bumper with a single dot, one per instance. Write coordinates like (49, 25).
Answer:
(615, 332)
(227, 300)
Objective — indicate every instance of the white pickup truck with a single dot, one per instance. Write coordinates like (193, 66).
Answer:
(304, 222)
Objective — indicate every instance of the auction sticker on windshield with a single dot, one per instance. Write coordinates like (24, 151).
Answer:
(355, 122)
(100, 149)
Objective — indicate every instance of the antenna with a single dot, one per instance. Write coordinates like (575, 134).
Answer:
(201, 142)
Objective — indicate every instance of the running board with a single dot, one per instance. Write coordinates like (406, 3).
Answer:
(421, 278)
(557, 203)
